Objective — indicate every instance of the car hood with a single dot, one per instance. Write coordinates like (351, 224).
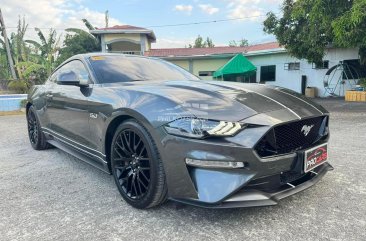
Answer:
(230, 101)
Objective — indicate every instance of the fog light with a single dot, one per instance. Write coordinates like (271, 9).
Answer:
(214, 164)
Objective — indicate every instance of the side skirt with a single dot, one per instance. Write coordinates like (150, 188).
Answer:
(77, 152)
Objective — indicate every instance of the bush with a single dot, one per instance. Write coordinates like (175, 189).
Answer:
(18, 86)
(363, 82)
(23, 103)
(4, 84)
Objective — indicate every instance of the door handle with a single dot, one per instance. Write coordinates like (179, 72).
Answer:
(49, 96)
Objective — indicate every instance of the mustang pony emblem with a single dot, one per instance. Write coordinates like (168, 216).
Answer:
(306, 129)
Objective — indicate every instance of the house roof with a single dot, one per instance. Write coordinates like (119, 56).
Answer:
(124, 29)
(189, 52)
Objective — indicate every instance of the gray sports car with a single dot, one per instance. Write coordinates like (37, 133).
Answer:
(165, 134)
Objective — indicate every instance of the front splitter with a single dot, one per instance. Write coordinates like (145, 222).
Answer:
(255, 198)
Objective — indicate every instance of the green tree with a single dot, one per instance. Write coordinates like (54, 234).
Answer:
(88, 25)
(25, 59)
(200, 43)
(209, 43)
(308, 27)
(350, 28)
(33, 61)
(18, 48)
(77, 41)
(4, 68)
(48, 48)
(242, 43)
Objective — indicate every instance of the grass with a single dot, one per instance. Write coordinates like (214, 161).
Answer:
(7, 113)
(5, 92)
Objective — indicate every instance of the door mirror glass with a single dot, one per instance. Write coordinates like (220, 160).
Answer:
(68, 78)
(71, 78)
(73, 73)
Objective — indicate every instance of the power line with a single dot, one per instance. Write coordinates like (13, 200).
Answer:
(205, 22)
(181, 24)
(61, 29)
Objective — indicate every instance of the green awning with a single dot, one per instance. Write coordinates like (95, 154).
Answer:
(237, 65)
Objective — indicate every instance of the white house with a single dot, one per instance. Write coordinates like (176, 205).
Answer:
(274, 65)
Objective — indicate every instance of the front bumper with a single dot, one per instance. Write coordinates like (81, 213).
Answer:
(263, 181)
(251, 197)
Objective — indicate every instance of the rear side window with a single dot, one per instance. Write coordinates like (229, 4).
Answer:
(114, 68)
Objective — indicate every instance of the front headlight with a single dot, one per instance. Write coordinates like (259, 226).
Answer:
(200, 128)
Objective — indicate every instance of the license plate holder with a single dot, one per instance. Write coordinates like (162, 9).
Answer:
(315, 157)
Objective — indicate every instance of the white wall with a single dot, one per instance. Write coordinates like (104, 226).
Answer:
(292, 78)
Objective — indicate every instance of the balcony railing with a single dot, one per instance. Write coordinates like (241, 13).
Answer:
(127, 52)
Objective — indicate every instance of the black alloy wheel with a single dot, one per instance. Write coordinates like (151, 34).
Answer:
(36, 137)
(132, 164)
(32, 128)
(136, 166)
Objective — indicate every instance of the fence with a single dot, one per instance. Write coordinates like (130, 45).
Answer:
(11, 102)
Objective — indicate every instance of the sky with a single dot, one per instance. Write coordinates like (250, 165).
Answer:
(152, 14)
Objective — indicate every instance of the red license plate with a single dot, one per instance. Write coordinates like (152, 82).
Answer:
(315, 157)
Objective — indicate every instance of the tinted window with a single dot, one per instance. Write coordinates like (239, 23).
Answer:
(76, 66)
(206, 73)
(322, 65)
(112, 69)
(353, 69)
(268, 73)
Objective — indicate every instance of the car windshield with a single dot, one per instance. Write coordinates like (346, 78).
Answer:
(113, 69)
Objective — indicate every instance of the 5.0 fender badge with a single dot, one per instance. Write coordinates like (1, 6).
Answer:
(93, 115)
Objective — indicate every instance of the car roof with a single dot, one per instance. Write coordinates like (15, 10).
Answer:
(88, 55)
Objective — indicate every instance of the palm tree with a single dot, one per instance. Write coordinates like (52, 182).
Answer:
(88, 25)
(20, 52)
(4, 68)
(48, 48)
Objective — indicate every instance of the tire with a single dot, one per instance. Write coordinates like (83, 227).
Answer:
(36, 137)
(137, 167)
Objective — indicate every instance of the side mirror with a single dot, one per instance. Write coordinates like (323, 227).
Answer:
(71, 78)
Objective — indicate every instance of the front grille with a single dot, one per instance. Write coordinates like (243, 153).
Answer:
(289, 137)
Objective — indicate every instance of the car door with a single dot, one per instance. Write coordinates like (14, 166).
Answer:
(67, 107)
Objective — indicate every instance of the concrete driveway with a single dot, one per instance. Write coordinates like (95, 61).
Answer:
(50, 195)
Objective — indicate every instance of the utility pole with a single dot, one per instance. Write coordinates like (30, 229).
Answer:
(106, 15)
(7, 46)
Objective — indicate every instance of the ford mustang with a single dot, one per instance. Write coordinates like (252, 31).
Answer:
(165, 134)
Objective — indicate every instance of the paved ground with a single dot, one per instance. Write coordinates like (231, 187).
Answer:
(50, 195)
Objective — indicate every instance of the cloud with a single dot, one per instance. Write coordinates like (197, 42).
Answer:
(56, 14)
(246, 12)
(246, 9)
(184, 8)
(208, 8)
